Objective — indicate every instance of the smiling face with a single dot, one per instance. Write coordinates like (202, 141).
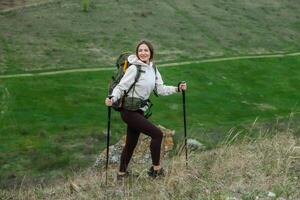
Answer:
(144, 53)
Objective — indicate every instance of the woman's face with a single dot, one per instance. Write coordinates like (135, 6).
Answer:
(144, 53)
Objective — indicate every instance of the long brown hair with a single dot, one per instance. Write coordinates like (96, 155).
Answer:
(149, 45)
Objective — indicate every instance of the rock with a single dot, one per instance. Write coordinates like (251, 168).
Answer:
(194, 145)
(271, 194)
(142, 151)
(74, 188)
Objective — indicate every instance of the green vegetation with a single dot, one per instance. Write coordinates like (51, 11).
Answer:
(58, 35)
(85, 5)
(50, 123)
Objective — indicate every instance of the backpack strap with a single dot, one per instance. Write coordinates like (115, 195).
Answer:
(137, 77)
(138, 74)
(155, 87)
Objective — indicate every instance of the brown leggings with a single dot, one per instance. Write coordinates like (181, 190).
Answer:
(137, 123)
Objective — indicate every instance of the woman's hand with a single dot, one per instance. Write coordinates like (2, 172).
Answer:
(108, 101)
(182, 86)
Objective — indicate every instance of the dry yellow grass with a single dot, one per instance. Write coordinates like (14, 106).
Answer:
(251, 169)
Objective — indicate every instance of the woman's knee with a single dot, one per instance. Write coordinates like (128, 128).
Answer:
(158, 135)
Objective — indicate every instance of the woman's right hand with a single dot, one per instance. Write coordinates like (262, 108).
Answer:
(108, 101)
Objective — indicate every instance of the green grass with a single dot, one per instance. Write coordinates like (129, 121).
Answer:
(59, 35)
(53, 124)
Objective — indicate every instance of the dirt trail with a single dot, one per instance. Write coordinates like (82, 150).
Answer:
(11, 5)
(160, 65)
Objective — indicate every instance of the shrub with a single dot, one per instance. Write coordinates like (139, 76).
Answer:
(85, 5)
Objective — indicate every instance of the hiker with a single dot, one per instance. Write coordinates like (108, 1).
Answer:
(149, 80)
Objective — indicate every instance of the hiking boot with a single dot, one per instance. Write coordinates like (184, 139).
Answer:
(156, 173)
(122, 176)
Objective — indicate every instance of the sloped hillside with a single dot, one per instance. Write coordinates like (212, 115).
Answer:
(59, 35)
(264, 168)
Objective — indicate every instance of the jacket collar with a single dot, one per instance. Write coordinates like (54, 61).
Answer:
(133, 59)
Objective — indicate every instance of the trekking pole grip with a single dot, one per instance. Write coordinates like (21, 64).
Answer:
(178, 86)
(110, 96)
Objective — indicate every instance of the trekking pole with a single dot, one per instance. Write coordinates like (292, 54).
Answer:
(107, 139)
(184, 124)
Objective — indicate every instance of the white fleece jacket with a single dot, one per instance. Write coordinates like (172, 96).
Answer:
(146, 83)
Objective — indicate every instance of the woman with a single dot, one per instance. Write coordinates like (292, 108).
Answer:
(148, 81)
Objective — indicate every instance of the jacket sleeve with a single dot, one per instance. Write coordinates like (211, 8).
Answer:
(162, 89)
(125, 83)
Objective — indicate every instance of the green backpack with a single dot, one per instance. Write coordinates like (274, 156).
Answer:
(122, 65)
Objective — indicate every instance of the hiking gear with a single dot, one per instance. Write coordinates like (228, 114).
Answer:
(122, 64)
(156, 173)
(184, 124)
(178, 86)
(148, 112)
(122, 176)
(127, 174)
(133, 103)
(107, 138)
(148, 81)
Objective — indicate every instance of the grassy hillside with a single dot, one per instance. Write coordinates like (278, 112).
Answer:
(263, 168)
(60, 35)
(54, 124)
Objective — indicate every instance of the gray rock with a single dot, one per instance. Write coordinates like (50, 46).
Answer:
(194, 145)
(141, 153)
(271, 194)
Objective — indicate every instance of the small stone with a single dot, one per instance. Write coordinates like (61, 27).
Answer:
(193, 144)
(74, 188)
(271, 194)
